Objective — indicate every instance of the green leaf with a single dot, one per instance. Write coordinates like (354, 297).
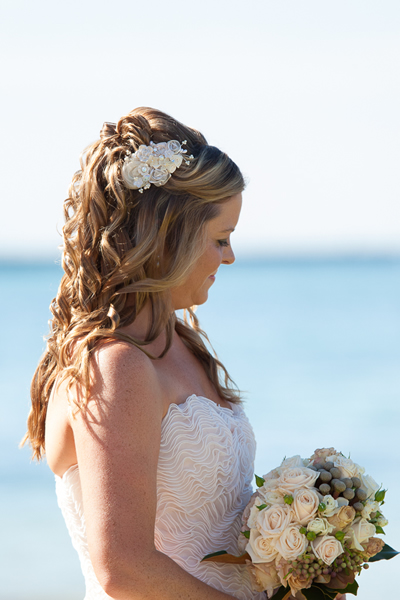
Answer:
(262, 506)
(214, 554)
(246, 534)
(379, 529)
(259, 481)
(317, 593)
(281, 593)
(385, 554)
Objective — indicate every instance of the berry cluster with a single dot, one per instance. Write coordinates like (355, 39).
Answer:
(308, 565)
(331, 483)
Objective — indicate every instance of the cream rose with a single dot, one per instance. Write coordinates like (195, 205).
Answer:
(320, 526)
(173, 163)
(359, 532)
(321, 454)
(291, 543)
(305, 505)
(326, 548)
(254, 512)
(293, 461)
(261, 549)
(370, 486)
(159, 177)
(347, 467)
(143, 153)
(274, 497)
(294, 477)
(342, 518)
(264, 577)
(273, 520)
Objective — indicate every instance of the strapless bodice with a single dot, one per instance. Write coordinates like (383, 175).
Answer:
(204, 481)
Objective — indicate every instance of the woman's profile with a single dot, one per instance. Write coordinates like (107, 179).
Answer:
(140, 422)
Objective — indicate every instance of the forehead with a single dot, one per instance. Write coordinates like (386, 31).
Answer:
(228, 215)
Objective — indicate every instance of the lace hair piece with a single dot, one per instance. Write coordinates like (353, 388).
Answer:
(153, 164)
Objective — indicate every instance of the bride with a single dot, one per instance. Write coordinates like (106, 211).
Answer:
(141, 424)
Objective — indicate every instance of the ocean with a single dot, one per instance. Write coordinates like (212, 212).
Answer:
(313, 344)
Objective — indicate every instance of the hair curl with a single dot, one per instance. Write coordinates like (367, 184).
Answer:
(113, 238)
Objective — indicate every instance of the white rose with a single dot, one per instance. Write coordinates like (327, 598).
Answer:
(331, 504)
(326, 548)
(347, 467)
(254, 512)
(161, 148)
(370, 486)
(274, 474)
(382, 522)
(305, 505)
(131, 170)
(359, 532)
(274, 497)
(369, 507)
(159, 177)
(291, 543)
(273, 520)
(261, 549)
(174, 146)
(293, 461)
(143, 153)
(320, 526)
(294, 477)
(268, 486)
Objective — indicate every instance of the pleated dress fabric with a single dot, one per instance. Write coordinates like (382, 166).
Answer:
(204, 481)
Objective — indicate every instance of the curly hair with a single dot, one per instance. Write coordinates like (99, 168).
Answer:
(113, 239)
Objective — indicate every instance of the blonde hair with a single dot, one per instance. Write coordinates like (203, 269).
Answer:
(120, 243)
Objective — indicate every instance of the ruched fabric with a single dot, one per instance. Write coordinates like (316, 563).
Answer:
(204, 478)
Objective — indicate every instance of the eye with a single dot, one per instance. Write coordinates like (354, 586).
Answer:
(223, 242)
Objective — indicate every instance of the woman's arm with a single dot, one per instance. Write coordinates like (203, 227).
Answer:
(117, 442)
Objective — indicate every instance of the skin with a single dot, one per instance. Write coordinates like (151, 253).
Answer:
(116, 440)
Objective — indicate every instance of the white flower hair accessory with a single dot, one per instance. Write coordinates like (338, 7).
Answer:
(153, 164)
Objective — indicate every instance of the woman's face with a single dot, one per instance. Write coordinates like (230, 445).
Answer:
(218, 251)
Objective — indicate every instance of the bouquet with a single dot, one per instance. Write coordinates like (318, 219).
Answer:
(311, 527)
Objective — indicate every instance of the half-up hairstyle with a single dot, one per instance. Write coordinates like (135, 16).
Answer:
(119, 243)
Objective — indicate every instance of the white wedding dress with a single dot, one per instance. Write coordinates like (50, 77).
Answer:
(204, 481)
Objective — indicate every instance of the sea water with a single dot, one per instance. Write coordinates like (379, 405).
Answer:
(313, 344)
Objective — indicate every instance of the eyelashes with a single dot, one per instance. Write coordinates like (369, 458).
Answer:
(223, 243)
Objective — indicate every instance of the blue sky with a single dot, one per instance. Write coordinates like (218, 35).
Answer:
(304, 95)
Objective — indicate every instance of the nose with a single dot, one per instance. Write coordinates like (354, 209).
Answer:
(229, 256)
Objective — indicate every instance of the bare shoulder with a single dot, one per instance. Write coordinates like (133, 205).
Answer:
(121, 371)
